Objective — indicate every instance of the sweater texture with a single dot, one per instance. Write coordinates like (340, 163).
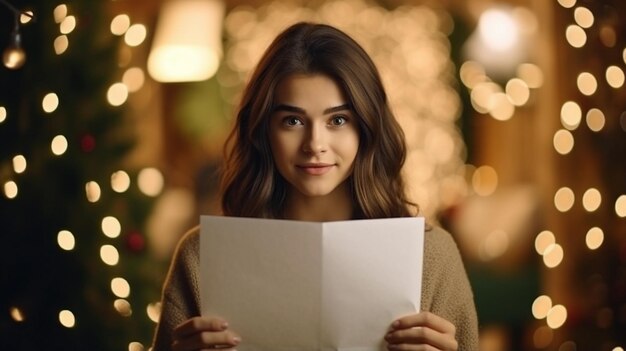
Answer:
(446, 291)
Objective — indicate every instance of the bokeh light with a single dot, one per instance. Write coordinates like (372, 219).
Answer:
(543, 241)
(66, 240)
(93, 191)
(592, 199)
(564, 199)
(485, 180)
(556, 316)
(541, 306)
(123, 307)
(563, 141)
(120, 181)
(571, 115)
(109, 255)
(583, 17)
(595, 119)
(135, 35)
(615, 77)
(60, 12)
(58, 145)
(117, 94)
(120, 287)
(67, 25)
(587, 83)
(575, 36)
(19, 164)
(620, 206)
(10, 189)
(67, 319)
(150, 181)
(594, 238)
(61, 43)
(553, 256)
(3, 114)
(111, 227)
(50, 102)
(120, 24)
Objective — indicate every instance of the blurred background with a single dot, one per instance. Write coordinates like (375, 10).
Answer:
(113, 115)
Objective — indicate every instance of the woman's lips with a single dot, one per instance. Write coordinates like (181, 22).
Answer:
(316, 168)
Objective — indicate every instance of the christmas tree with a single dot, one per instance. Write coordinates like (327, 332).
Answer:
(76, 273)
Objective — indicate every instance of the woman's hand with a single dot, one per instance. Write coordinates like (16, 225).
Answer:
(200, 333)
(422, 331)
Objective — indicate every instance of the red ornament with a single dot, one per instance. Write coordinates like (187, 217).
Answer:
(135, 241)
(88, 143)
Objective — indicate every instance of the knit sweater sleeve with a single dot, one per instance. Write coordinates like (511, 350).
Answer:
(180, 299)
(446, 290)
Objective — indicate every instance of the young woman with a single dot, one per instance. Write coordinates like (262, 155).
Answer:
(316, 140)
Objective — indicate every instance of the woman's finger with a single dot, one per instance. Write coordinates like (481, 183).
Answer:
(423, 336)
(197, 324)
(424, 319)
(207, 340)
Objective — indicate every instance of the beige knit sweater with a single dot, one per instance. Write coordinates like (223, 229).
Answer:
(446, 291)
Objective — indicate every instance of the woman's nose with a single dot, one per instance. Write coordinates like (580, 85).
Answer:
(315, 140)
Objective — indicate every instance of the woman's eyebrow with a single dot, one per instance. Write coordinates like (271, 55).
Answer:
(290, 108)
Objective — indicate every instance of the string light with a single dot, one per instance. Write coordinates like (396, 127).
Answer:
(120, 287)
(615, 77)
(68, 25)
(595, 120)
(620, 206)
(59, 145)
(50, 102)
(571, 115)
(66, 240)
(594, 238)
(120, 24)
(135, 346)
(67, 319)
(541, 306)
(543, 241)
(587, 83)
(592, 199)
(3, 114)
(135, 35)
(583, 17)
(17, 314)
(109, 255)
(117, 94)
(153, 311)
(19, 164)
(563, 141)
(123, 307)
(564, 199)
(556, 316)
(92, 191)
(120, 181)
(59, 13)
(61, 43)
(575, 36)
(10, 189)
(150, 181)
(13, 55)
(111, 227)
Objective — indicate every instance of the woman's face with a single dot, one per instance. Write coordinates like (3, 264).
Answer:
(313, 134)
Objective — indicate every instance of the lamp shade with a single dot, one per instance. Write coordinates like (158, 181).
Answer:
(187, 44)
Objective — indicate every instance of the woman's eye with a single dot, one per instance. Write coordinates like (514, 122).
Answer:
(292, 121)
(338, 121)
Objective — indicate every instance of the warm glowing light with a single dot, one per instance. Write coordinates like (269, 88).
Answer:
(494, 245)
(571, 115)
(583, 17)
(154, 311)
(17, 314)
(587, 83)
(615, 77)
(618, 348)
(123, 307)
(135, 35)
(67, 319)
(498, 30)
(500, 107)
(19, 164)
(543, 241)
(595, 120)
(564, 199)
(120, 287)
(111, 227)
(117, 94)
(10, 189)
(120, 24)
(543, 337)
(187, 44)
(563, 141)
(592, 199)
(567, 3)
(60, 12)
(556, 317)
(61, 43)
(531, 74)
(120, 181)
(517, 91)
(553, 256)
(150, 181)
(3, 114)
(50, 102)
(68, 25)
(58, 145)
(26, 17)
(135, 346)
(620, 206)
(576, 36)
(109, 255)
(485, 180)
(133, 79)
(472, 73)
(541, 306)
(624, 55)
(92, 191)
(482, 94)
(594, 238)
(66, 240)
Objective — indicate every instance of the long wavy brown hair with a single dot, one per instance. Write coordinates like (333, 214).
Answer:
(252, 186)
